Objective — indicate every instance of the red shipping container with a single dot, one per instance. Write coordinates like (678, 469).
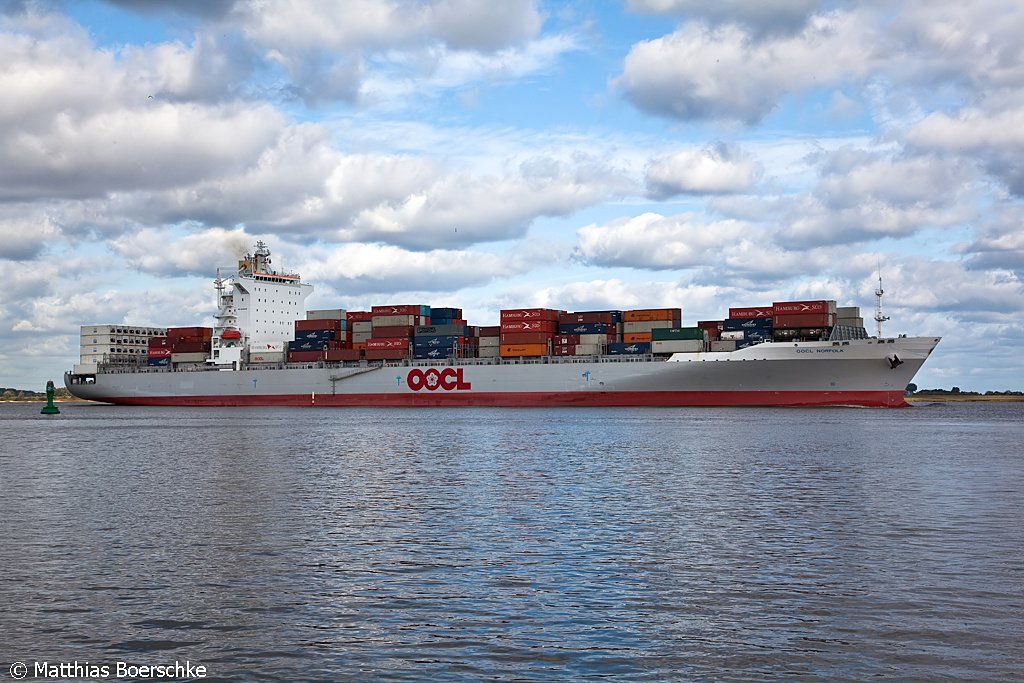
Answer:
(201, 332)
(189, 346)
(159, 342)
(566, 339)
(490, 331)
(563, 350)
(711, 324)
(402, 309)
(520, 314)
(792, 322)
(392, 331)
(304, 356)
(308, 325)
(386, 354)
(343, 354)
(525, 337)
(159, 352)
(750, 312)
(359, 316)
(377, 344)
(550, 326)
(587, 317)
(802, 307)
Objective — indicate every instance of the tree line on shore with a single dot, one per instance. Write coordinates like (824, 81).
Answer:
(913, 390)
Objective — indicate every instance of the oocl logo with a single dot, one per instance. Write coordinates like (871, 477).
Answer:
(448, 379)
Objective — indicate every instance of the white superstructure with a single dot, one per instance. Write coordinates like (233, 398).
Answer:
(256, 306)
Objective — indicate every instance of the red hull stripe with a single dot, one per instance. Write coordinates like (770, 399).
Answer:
(871, 399)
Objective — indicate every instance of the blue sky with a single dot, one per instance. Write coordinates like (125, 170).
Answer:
(490, 155)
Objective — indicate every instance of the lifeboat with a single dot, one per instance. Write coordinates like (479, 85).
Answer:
(230, 334)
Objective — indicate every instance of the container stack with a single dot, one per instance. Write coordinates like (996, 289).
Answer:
(747, 326)
(586, 333)
(713, 329)
(268, 352)
(360, 325)
(527, 332)
(803, 320)
(158, 352)
(637, 328)
(669, 340)
(393, 328)
(489, 341)
(447, 336)
(189, 344)
(323, 335)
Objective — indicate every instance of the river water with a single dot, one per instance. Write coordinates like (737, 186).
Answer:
(530, 545)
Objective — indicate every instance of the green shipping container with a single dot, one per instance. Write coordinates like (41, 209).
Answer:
(677, 333)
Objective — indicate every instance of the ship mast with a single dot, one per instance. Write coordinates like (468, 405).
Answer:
(879, 318)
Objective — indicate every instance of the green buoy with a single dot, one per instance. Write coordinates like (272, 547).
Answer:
(49, 408)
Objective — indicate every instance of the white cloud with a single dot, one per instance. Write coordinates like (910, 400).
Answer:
(718, 169)
(701, 72)
(655, 241)
(382, 269)
(762, 16)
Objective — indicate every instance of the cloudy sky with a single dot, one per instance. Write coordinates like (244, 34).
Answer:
(487, 155)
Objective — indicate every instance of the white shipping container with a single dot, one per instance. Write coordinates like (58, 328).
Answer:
(327, 314)
(360, 337)
(850, 322)
(731, 335)
(490, 341)
(590, 349)
(266, 347)
(723, 346)
(198, 357)
(488, 351)
(848, 312)
(600, 339)
(395, 320)
(362, 326)
(85, 369)
(267, 357)
(677, 346)
(640, 327)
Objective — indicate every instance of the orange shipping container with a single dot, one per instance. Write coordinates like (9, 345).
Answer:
(514, 350)
(641, 315)
(634, 337)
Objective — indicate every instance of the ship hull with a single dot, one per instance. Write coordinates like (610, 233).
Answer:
(854, 373)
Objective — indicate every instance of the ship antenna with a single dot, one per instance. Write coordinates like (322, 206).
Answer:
(879, 318)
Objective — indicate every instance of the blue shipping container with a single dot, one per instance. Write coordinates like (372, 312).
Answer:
(450, 313)
(437, 341)
(439, 330)
(733, 324)
(307, 345)
(316, 335)
(631, 349)
(159, 362)
(585, 328)
(431, 353)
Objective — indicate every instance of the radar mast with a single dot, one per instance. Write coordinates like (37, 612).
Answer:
(879, 318)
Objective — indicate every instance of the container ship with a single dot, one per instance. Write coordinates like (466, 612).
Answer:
(266, 349)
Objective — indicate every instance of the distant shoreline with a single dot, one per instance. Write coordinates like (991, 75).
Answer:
(962, 398)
